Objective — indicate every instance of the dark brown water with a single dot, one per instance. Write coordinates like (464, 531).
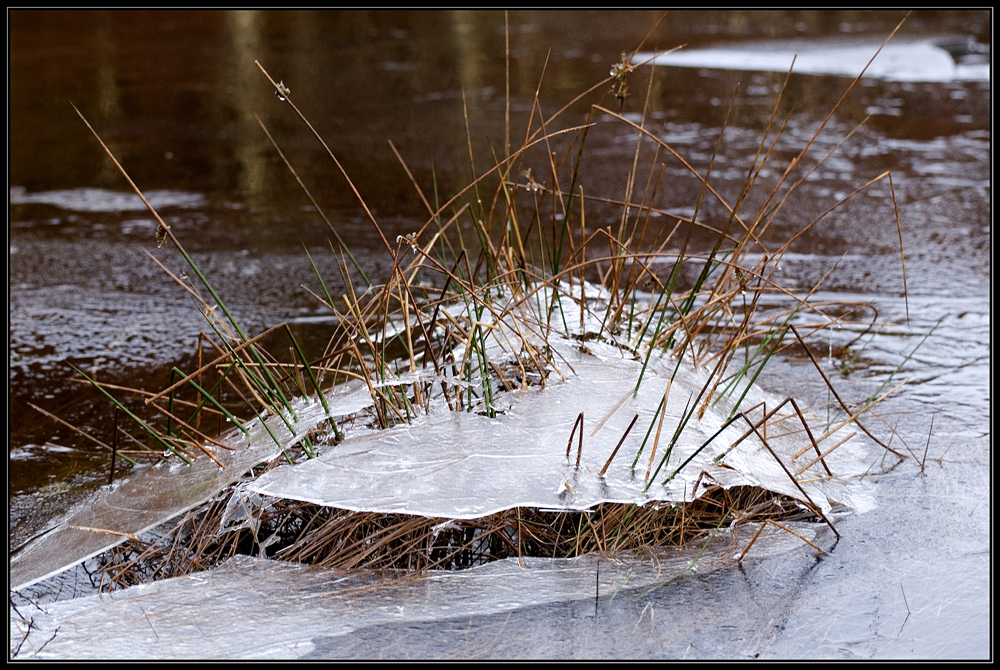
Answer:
(176, 96)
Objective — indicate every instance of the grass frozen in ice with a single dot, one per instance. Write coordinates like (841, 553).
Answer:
(470, 310)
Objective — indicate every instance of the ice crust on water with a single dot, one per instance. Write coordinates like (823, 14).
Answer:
(103, 200)
(258, 608)
(146, 498)
(900, 60)
(465, 465)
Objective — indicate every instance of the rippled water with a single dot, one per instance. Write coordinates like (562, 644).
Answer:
(174, 94)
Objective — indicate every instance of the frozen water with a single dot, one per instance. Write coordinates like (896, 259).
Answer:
(462, 465)
(900, 60)
(258, 608)
(465, 465)
(103, 200)
(147, 498)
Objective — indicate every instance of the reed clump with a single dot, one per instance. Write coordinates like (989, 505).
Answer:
(404, 544)
(468, 311)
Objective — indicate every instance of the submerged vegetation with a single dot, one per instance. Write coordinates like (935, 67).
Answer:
(478, 305)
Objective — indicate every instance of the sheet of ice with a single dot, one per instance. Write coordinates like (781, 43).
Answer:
(103, 200)
(465, 465)
(900, 60)
(263, 609)
(146, 498)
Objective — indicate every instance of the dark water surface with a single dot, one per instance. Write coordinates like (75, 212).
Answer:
(176, 96)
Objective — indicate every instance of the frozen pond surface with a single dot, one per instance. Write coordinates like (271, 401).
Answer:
(908, 579)
(880, 592)
(463, 465)
(877, 595)
(923, 60)
(460, 465)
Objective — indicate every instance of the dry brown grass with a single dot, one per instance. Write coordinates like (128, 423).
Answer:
(342, 539)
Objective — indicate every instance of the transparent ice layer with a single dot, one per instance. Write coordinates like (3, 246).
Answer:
(900, 60)
(262, 609)
(466, 465)
(148, 497)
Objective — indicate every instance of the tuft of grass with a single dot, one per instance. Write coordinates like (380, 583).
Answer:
(482, 310)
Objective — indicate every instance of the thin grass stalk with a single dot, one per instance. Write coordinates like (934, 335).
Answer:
(196, 437)
(833, 390)
(315, 384)
(902, 256)
(685, 416)
(326, 291)
(696, 558)
(162, 225)
(166, 229)
(604, 82)
(77, 430)
(815, 508)
(478, 343)
(477, 210)
(659, 426)
(784, 528)
(568, 212)
(283, 95)
(805, 149)
(656, 333)
(618, 446)
(760, 368)
(263, 393)
(703, 445)
(149, 430)
(207, 397)
(196, 413)
(170, 400)
(649, 431)
(315, 204)
(819, 459)
(707, 187)
(734, 381)
(256, 384)
(904, 361)
(645, 206)
(569, 445)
